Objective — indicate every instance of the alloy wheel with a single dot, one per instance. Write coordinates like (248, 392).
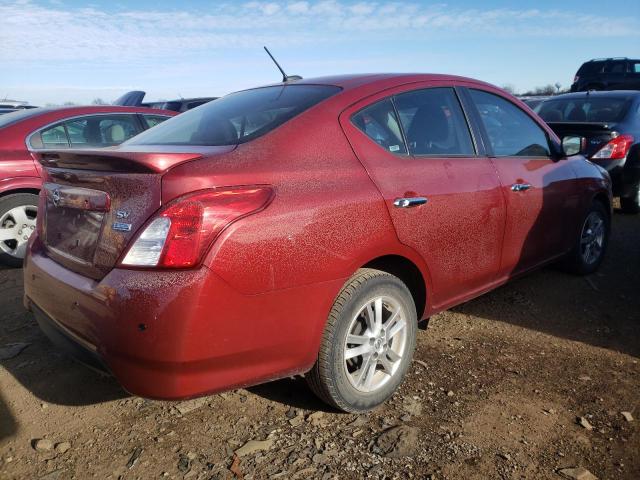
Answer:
(375, 344)
(592, 238)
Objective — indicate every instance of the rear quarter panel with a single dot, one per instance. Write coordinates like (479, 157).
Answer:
(326, 220)
(18, 169)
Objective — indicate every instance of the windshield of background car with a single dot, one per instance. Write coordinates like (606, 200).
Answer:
(601, 109)
(236, 118)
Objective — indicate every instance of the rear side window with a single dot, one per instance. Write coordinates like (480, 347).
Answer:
(153, 120)
(237, 118)
(434, 123)
(635, 67)
(615, 67)
(53, 137)
(591, 68)
(511, 131)
(588, 109)
(90, 131)
(101, 131)
(380, 124)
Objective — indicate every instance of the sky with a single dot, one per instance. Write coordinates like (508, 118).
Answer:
(53, 51)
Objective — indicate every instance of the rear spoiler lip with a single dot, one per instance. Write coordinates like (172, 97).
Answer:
(125, 161)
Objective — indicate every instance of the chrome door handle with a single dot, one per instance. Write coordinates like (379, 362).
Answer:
(520, 187)
(409, 202)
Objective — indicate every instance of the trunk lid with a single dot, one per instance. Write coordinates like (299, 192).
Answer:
(95, 202)
(597, 134)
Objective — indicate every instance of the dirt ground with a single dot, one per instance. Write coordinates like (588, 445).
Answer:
(499, 389)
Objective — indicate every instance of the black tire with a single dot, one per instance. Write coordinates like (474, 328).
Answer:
(8, 203)
(328, 378)
(577, 261)
(631, 204)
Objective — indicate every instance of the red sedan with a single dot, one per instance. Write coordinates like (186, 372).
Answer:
(304, 228)
(25, 132)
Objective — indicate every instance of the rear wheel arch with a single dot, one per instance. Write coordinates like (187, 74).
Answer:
(603, 198)
(34, 191)
(409, 273)
(350, 386)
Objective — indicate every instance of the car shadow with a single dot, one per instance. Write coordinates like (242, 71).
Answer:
(39, 366)
(292, 392)
(601, 309)
(8, 425)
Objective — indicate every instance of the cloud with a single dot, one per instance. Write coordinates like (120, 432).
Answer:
(50, 31)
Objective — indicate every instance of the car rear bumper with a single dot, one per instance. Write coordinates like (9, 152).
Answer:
(67, 341)
(176, 334)
(624, 174)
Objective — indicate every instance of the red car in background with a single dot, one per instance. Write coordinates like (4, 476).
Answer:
(24, 132)
(303, 228)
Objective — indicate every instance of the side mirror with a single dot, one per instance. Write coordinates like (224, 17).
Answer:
(573, 145)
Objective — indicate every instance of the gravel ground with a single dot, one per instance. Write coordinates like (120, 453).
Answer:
(529, 381)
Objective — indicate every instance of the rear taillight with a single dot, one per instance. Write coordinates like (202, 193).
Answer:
(616, 148)
(181, 233)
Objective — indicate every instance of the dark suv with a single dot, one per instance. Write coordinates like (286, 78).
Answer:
(607, 74)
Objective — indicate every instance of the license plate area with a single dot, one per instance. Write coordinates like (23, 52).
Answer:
(74, 220)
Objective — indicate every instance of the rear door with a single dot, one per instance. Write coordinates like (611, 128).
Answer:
(538, 190)
(442, 193)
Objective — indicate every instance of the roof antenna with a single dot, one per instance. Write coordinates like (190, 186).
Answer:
(285, 78)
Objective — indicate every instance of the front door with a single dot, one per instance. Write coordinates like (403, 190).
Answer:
(538, 189)
(442, 193)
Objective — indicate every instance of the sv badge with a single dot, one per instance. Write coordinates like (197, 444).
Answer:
(121, 226)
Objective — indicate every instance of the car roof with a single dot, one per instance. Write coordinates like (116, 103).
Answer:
(353, 81)
(599, 94)
(621, 59)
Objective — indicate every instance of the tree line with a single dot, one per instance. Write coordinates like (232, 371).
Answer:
(547, 90)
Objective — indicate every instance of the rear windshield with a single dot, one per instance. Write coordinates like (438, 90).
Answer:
(236, 118)
(600, 109)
